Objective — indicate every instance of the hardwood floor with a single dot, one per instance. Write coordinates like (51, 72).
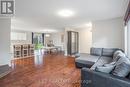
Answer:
(46, 71)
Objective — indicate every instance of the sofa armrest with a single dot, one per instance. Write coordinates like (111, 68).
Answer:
(92, 78)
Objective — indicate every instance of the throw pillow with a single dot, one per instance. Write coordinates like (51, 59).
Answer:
(105, 69)
(116, 52)
(122, 70)
(122, 59)
(117, 55)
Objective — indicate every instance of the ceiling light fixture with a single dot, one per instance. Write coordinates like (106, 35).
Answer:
(48, 30)
(89, 24)
(47, 35)
(66, 13)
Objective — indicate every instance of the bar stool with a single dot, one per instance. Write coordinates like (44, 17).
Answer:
(17, 51)
(25, 50)
(31, 48)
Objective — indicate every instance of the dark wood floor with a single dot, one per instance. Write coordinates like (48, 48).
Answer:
(46, 71)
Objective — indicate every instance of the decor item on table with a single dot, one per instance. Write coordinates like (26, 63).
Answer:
(38, 46)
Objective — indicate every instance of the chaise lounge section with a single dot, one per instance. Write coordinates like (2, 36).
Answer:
(97, 56)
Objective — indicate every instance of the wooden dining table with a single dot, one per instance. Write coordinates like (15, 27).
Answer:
(49, 49)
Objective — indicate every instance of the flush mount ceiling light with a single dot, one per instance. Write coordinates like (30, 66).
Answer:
(47, 35)
(89, 24)
(48, 30)
(66, 13)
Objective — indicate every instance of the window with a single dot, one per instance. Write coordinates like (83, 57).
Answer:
(18, 36)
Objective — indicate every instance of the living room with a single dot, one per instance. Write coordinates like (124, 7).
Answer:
(63, 43)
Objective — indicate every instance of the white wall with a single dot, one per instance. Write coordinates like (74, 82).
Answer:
(108, 33)
(85, 40)
(27, 41)
(5, 27)
(56, 37)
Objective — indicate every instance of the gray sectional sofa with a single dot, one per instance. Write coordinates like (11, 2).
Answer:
(97, 56)
(92, 78)
(4, 70)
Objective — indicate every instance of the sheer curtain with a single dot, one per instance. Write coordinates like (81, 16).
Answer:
(128, 39)
(127, 30)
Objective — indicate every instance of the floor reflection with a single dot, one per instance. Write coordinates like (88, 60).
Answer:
(38, 58)
(30, 72)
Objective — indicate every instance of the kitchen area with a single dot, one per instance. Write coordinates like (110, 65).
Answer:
(26, 44)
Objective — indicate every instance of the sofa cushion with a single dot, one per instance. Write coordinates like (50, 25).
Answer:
(128, 76)
(112, 63)
(102, 60)
(105, 69)
(122, 69)
(96, 51)
(77, 55)
(109, 51)
(86, 58)
(4, 70)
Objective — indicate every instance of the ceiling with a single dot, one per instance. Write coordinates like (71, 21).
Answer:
(41, 15)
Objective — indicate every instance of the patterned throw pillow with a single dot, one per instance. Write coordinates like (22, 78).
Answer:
(117, 55)
(122, 59)
(122, 70)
